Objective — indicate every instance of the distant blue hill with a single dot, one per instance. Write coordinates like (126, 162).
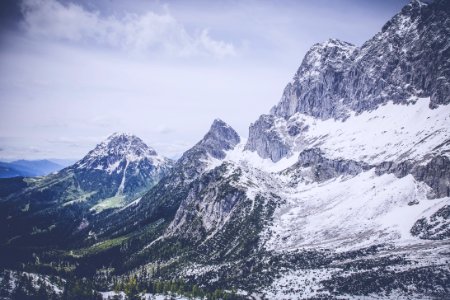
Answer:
(63, 162)
(28, 168)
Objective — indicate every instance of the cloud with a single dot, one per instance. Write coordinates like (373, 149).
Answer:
(163, 129)
(104, 121)
(34, 149)
(147, 33)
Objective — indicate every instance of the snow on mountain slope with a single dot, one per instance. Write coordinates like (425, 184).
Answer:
(343, 213)
(393, 132)
(239, 156)
(109, 154)
(362, 110)
(123, 162)
(116, 172)
(366, 209)
(347, 176)
(349, 213)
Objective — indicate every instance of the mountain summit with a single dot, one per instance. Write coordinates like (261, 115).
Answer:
(341, 191)
(118, 146)
(407, 58)
(116, 172)
(220, 137)
(406, 61)
(123, 164)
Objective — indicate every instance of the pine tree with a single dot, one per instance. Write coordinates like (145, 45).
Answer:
(6, 284)
(42, 292)
(19, 292)
(131, 289)
(195, 291)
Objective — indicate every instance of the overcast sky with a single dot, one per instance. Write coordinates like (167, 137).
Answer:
(73, 72)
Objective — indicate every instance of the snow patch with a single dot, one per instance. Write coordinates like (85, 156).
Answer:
(240, 156)
(393, 132)
(350, 213)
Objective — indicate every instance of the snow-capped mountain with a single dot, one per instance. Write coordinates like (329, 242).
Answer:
(345, 182)
(119, 170)
(163, 201)
(407, 59)
(126, 163)
(341, 191)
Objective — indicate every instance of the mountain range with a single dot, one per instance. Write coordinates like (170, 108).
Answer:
(29, 168)
(341, 191)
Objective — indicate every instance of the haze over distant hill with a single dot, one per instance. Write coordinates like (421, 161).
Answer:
(30, 168)
(341, 191)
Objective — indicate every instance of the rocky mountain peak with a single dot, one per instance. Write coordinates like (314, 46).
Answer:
(221, 130)
(413, 7)
(332, 53)
(408, 59)
(125, 143)
(122, 164)
(220, 138)
(403, 61)
(406, 20)
(329, 49)
(116, 148)
(219, 123)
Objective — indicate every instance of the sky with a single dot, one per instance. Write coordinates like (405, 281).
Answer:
(74, 72)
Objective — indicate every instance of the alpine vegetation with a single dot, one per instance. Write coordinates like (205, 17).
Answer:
(341, 191)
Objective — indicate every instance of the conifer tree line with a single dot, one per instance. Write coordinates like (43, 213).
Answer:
(23, 286)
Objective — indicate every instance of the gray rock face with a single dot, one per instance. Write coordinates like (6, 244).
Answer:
(436, 173)
(323, 168)
(316, 87)
(435, 227)
(408, 58)
(210, 200)
(265, 139)
(189, 168)
(122, 164)
(176, 189)
(219, 139)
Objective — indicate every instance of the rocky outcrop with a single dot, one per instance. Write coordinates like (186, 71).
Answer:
(435, 227)
(219, 139)
(266, 140)
(408, 58)
(314, 166)
(121, 165)
(209, 202)
(435, 173)
(317, 86)
(164, 200)
(322, 168)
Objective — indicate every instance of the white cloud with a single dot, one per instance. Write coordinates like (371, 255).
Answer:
(147, 33)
